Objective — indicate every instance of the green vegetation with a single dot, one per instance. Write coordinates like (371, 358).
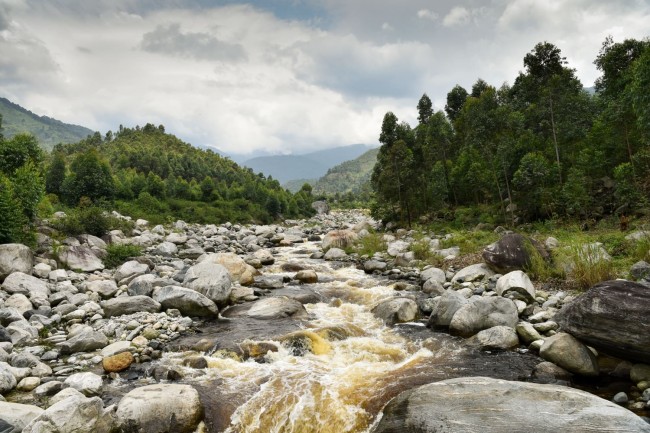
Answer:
(370, 244)
(118, 254)
(48, 131)
(350, 176)
(542, 148)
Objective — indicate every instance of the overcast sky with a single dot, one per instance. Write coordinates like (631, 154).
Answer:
(287, 76)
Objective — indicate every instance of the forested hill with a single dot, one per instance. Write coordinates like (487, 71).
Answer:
(349, 176)
(48, 131)
(155, 174)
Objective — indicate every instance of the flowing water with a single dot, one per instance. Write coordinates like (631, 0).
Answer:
(336, 370)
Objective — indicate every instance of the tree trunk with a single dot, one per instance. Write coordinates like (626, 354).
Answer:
(557, 150)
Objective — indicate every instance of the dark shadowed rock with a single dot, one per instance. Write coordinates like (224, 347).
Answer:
(612, 316)
(480, 404)
(512, 252)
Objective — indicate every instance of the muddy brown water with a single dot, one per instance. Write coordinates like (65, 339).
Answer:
(351, 367)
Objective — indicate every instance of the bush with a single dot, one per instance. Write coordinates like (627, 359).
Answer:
(587, 267)
(370, 244)
(91, 220)
(116, 254)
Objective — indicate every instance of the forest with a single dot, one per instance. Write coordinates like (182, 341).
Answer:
(542, 148)
(142, 172)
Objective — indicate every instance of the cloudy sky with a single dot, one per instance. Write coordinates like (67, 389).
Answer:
(283, 76)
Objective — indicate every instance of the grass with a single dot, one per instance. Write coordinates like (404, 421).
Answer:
(370, 244)
(469, 242)
(120, 253)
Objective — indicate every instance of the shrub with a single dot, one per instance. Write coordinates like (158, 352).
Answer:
(116, 254)
(370, 244)
(587, 267)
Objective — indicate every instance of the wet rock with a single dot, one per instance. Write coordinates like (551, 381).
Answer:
(512, 252)
(335, 254)
(548, 372)
(516, 285)
(612, 316)
(482, 314)
(307, 276)
(129, 305)
(396, 310)
(197, 362)
(257, 350)
(211, 280)
(276, 307)
(264, 256)
(495, 338)
(442, 313)
(464, 405)
(640, 373)
(89, 384)
(187, 301)
(161, 408)
(268, 282)
(15, 258)
(14, 416)
(74, 414)
(570, 354)
(339, 239)
(80, 258)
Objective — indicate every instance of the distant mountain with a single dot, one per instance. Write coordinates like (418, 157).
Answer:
(295, 185)
(349, 176)
(48, 131)
(285, 168)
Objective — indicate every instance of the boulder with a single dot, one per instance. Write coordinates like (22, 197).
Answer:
(189, 302)
(396, 310)
(212, 280)
(472, 273)
(482, 314)
(15, 258)
(321, 207)
(80, 258)
(276, 307)
(369, 266)
(339, 239)
(130, 270)
(27, 285)
(516, 285)
(612, 316)
(7, 379)
(640, 270)
(495, 338)
(142, 285)
(16, 416)
(129, 305)
(117, 363)
(512, 252)
(567, 352)
(89, 384)
(104, 288)
(527, 332)
(335, 254)
(445, 308)
(307, 276)
(166, 249)
(238, 269)
(264, 256)
(86, 340)
(435, 274)
(160, 408)
(396, 248)
(74, 414)
(481, 404)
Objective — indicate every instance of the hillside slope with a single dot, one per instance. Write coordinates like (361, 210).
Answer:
(48, 131)
(350, 176)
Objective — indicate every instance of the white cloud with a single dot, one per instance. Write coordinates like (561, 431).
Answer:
(427, 14)
(457, 16)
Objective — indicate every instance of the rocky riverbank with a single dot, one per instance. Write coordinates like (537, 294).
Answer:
(226, 310)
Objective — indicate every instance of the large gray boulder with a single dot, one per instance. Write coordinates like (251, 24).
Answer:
(512, 252)
(276, 307)
(445, 308)
(567, 352)
(612, 316)
(130, 270)
(160, 408)
(85, 340)
(482, 314)
(481, 404)
(32, 287)
(212, 280)
(495, 338)
(16, 416)
(104, 288)
(339, 239)
(472, 273)
(187, 301)
(7, 379)
(129, 305)
(15, 258)
(80, 258)
(238, 269)
(74, 414)
(516, 285)
(396, 310)
(87, 383)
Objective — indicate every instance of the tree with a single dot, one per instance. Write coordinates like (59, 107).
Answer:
(479, 87)
(55, 174)
(533, 183)
(11, 215)
(29, 188)
(455, 100)
(425, 109)
(17, 151)
(90, 177)
(388, 129)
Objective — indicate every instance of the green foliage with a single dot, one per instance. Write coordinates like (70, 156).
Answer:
(469, 242)
(90, 177)
(92, 220)
(55, 174)
(370, 244)
(29, 188)
(116, 254)
(11, 214)
(586, 268)
(627, 193)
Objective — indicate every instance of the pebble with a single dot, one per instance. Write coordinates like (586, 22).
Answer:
(620, 398)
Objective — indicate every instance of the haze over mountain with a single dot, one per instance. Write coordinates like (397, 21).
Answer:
(48, 131)
(312, 165)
